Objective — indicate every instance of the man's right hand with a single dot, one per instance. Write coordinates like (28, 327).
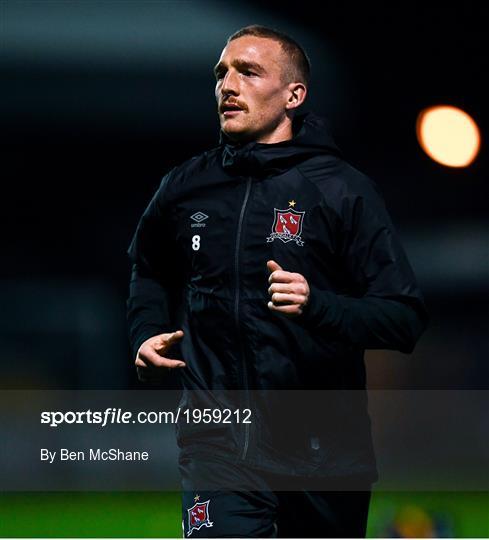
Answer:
(151, 362)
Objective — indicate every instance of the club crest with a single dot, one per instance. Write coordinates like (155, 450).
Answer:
(287, 226)
(198, 516)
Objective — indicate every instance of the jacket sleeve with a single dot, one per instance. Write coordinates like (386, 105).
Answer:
(153, 284)
(384, 308)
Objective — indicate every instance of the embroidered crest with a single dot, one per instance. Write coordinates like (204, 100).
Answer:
(287, 226)
(198, 516)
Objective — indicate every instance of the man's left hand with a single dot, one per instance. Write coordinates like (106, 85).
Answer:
(289, 291)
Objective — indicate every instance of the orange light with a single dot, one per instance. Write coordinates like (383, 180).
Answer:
(448, 135)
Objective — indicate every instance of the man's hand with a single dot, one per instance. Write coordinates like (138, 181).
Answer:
(151, 362)
(289, 290)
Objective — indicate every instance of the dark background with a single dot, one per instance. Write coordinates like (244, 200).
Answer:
(99, 99)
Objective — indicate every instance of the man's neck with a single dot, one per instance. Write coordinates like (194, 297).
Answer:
(282, 133)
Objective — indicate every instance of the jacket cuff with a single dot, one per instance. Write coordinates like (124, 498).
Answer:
(319, 309)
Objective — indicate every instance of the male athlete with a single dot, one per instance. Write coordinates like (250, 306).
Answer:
(271, 264)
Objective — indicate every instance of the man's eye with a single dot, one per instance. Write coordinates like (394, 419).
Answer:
(249, 73)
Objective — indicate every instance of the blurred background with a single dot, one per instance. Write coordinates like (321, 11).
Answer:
(99, 99)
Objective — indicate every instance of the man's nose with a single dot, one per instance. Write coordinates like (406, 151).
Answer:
(230, 84)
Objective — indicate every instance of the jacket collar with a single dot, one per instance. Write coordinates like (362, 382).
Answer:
(311, 136)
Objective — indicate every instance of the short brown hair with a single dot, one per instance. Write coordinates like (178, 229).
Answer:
(299, 68)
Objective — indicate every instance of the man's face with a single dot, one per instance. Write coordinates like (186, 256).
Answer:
(249, 75)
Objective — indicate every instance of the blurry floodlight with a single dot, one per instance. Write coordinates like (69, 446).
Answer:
(448, 135)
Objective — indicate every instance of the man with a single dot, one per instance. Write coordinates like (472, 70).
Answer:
(271, 264)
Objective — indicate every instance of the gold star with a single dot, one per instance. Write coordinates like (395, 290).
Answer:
(196, 498)
(292, 203)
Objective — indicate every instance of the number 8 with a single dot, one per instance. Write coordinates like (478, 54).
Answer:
(196, 242)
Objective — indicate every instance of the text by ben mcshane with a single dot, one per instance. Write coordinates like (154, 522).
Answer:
(93, 454)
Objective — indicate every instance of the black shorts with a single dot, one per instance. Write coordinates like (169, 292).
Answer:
(264, 513)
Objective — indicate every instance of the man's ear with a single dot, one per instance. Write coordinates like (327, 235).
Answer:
(297, 95)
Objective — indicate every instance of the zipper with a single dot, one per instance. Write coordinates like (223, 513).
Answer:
(236, 309)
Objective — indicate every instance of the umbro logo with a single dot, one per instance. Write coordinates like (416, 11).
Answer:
(198, 217)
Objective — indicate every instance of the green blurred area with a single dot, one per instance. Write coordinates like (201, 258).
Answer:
(153, 514)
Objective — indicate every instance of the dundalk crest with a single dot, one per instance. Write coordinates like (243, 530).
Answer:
(198, 516)
(287, 225)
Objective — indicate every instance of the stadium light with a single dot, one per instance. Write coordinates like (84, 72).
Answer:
(448, 135)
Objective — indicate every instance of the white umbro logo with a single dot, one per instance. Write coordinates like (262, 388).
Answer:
(198, 217)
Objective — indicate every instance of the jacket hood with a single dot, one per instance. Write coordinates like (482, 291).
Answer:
(311, 137)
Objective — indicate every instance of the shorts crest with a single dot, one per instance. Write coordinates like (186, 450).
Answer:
(198, 516)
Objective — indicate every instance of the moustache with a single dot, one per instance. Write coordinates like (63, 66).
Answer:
(225, 105)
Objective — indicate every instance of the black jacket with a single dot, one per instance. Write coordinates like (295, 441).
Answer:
(199, 258)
